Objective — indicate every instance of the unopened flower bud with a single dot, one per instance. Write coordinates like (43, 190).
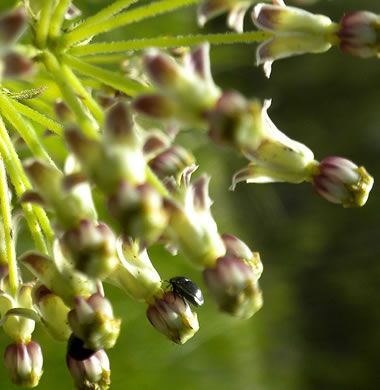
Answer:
(16, 65)
(341, 181)
(232, 283)
(70, 205)
(12, 25)
(53, 312)
(91, 373)
(171, 162)
(63, 112)
(295, 30)
(359, 34)
(192, 227)
(135, 274)
(93, 322)
(92, 248)
(139, 210)
(172, 317)
(23, 363)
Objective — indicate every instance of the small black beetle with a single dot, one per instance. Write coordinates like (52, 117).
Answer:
(187, 289)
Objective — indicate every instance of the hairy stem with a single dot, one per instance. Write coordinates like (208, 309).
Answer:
(57, 70)
(38, 117)
(24, 128)
(123, 19)
(44, 23)
(130, 87)
(20, 183)
(57, 18)
(105, 13)
(7, 223)
(166, 42)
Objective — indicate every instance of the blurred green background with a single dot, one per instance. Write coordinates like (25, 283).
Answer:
(320, 324)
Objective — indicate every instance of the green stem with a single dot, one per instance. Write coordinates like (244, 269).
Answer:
(123, 19)
(38, 117)
(85, 121)
(166, 42)
(120, 83)
(86, 97)
(105, 13)
(7, 222)
(152, 179)
(105, 59)
(24, 128)
(58, 18)
(20, 183)
(44, 23)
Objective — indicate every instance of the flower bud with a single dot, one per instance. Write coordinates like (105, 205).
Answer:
(23, 363)
(16, 65)
(139, 210)
(91, 373)
(246, 126)
(341, 181)
(92, 248)
(295, 30)
(12, 25)
(173, 317)
(93, 322)
(171, 162)
(135, 274)
(53, 312)
(359, 34)
(18, 326)
(232, 283)
(70, 205)
(193, 229)
(185, 92)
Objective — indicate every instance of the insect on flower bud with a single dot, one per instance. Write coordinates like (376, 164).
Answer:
(172, 317)
(23, 363)
(341, 181)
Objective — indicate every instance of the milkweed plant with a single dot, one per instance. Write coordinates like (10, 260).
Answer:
(119, 132)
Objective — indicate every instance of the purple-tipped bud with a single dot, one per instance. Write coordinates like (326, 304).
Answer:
(341, 181)
(359, 34)
(119, 124)
(155, 105)
(23, 363)
(232, 283)
(12, 25)
(91, 373)
(92, 248)
(93, 322)
(162, 70)
(53, 312)
(139, 210)
(16, 65)
(171, 162)
(63, 112)
(173, 317)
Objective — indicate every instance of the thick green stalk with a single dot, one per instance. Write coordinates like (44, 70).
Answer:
(6, 214)
(58, 18)
(44, 23)
(123, 19)
(24, 128)
(166, 42)
(86, 97)
(105, 13)
(38, 117)
(85, 121)
(13, 167)
(130, 87)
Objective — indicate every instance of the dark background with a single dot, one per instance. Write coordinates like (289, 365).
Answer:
(319, 327)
